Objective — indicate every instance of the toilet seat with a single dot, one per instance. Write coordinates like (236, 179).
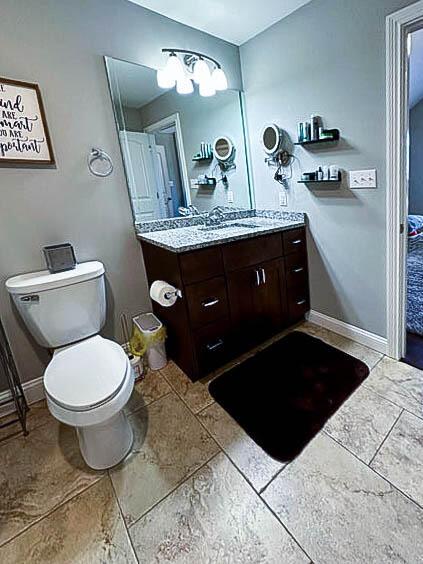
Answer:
(86, 375)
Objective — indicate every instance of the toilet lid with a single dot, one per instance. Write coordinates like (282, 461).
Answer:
(87, 374)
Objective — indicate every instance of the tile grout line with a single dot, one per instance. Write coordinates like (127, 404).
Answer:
(384, 440)
(122, 516)
(265, 504)
(188, 477)
(51, 511)
(376, 472)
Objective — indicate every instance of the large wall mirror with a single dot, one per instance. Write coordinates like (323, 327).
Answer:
(178, 150)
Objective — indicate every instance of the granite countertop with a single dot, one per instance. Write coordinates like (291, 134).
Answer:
(193, 235)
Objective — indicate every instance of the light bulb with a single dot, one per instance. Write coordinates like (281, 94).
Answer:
(174, 68)
(207, 87)
(184, 86)
(201, 71)
(219, 79)
(164, 80)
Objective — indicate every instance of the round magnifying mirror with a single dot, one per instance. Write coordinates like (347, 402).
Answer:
(223, 149)
(271, 138)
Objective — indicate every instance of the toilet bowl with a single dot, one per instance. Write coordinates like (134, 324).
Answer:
(89, 379)
(87, 386)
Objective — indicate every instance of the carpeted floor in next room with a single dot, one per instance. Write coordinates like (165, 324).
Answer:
(197, 489)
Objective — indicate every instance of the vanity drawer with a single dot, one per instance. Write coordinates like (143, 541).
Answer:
(207, 301)
(213, 345)
(201, 265)
(251, 251)
(296, 270)
(294, 241)
(298, 303)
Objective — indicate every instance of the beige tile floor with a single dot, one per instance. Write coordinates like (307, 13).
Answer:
(197, 489)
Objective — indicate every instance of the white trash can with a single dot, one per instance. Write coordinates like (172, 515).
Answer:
(154, 334)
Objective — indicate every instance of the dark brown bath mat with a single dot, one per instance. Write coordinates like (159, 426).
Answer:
(283, 396)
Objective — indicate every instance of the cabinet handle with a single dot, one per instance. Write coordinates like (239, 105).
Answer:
(210, 302)
(213, 346)
(297, 241)
(301, 302)
(263, 275)
(297, 270)
(258, 282)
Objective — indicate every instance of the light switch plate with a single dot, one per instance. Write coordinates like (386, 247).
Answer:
(283, 200)
(362, 178)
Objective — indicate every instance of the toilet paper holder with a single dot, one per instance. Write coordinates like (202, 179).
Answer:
(176, 293)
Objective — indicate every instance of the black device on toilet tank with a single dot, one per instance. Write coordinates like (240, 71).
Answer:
(59, 258)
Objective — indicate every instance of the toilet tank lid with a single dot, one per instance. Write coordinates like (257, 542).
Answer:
(45, 280)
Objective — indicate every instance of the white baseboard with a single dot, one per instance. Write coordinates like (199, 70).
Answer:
(34, 391)
(356, 334)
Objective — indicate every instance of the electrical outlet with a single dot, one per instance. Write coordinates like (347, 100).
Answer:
(362, 178)
(283, 200)
(193, 182)
(230, 197)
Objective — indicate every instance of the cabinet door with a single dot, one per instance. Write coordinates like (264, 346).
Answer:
(255, 303)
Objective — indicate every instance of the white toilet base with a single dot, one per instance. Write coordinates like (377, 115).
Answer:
(106, 444)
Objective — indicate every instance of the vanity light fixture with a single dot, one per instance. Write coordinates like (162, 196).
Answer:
(194, 67)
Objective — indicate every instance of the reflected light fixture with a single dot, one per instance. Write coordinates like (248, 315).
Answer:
(194, 67)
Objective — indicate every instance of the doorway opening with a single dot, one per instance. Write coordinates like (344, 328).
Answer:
(404, 268)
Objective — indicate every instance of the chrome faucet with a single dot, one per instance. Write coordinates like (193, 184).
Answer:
(188, 211)
(215, 216)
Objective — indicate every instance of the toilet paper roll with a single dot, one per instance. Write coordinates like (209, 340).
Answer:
(163, 293)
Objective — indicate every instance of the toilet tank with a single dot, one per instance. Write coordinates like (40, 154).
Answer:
(64, 307)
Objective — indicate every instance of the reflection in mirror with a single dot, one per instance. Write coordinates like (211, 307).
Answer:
(178, 150)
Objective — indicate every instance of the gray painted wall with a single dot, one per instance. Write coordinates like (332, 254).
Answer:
(328, 58)
(60, 44)
(204, 119)
(415, 196)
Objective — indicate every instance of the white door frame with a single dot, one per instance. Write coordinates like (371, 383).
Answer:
(398, 26)
(168, 121)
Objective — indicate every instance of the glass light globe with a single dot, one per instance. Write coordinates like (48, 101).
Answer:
(201, 71)
(219, 79)
(164, 80)
(174, 68)
(184, 86)
(207, 87)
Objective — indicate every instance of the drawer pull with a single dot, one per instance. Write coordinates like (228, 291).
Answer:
(297, 270)
(263, 275)
(258, 282)
(301, 302)
(214, 346)
(297, 241)
(210, 302)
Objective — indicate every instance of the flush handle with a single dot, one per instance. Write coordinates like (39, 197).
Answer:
(210, 302)
(33, 298)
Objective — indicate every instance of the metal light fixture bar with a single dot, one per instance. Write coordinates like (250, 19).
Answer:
(193, 53)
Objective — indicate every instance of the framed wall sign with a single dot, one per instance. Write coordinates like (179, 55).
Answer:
(24, 136)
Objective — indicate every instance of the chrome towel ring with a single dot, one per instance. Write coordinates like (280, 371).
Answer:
(99, 162)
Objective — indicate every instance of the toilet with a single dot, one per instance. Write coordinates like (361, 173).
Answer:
(89, 380)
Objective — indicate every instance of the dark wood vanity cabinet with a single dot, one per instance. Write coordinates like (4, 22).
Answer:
(235, 295)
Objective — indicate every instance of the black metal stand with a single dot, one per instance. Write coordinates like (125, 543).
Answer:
(7, 365)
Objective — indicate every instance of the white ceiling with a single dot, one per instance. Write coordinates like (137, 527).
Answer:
(416, 68)
(235, 21)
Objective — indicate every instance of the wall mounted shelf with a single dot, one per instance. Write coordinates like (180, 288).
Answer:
(317, 142)
(319, 181)
(202, 159)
